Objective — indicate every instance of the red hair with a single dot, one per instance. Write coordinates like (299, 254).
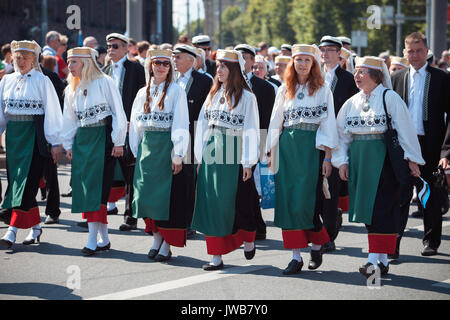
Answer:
(315, 79)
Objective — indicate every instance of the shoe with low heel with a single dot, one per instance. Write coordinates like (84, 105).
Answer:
(32, 241)
(6, 242)
(104, 248)
(161, 258)
(250, 254)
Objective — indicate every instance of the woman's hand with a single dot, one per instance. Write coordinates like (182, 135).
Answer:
(56, 153)
(117, 152)
(414, 167)
(69, 154)
(326, 168)
(343, 172)
(247, 174)
(444, 163)
(176, 168)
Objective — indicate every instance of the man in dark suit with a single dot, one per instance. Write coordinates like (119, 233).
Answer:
(425, 90)
(204, 42)
(197, 87)
(130, 77)
(342, 84)
(265, 96)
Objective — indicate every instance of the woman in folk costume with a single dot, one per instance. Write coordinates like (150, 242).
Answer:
(159, 139)
(302, 124)
(226, 147)
(31, 114)
(363, 161)
(95, 127)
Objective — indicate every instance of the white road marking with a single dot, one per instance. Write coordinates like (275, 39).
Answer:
(444, 284)
(175, 284)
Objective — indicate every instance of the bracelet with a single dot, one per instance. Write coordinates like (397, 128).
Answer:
(327, 159)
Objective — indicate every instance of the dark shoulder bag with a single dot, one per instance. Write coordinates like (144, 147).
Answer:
(395, 150)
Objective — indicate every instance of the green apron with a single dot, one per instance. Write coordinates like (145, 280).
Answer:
(367, 156)
(88, 160)
(296, 179)
(20, 138)
(153, 176)
(217, 184)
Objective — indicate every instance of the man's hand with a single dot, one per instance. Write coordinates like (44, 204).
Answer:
(343, 172)
(117, 152)
(56, 153)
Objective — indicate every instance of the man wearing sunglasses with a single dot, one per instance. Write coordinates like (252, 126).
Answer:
(204, 42)
(129, 75)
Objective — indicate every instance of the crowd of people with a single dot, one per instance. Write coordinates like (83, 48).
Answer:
(179, 131)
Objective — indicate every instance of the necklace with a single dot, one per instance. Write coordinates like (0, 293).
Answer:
(366, 105)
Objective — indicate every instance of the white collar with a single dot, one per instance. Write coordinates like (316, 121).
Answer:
(378, 90)
(28, 74)
(187, 74)
(120, 62)
(160, 86)
(250, 75)
(333, 70)
(421, 71)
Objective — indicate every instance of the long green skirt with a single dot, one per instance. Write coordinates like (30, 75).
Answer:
(217, 182)
(367, 155)
(153, 176)
(20, 138)
(296, 179)
(88, 157)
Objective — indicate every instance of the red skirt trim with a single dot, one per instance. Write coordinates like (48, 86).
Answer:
(343, 204)
(173, 236)
(298, 239)
(116, 194)
(382, 243)
(41, 183)
(97, 216)
(227, 244)
(25, 219)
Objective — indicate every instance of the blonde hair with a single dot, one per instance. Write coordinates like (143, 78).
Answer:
(35, 64)
(90, 72)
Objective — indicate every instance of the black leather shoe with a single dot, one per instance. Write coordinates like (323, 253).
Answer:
(127, 227)
(51, 220)
(87, 252)
(383, 269)
(152, 253)
(364, 270)
(67, 195)
(83, 224)
(104, 248)
(293, 267)
(428, 251)
(316, 259)
(396, 254)
(112, 212)
(161, 258)
(250, 254)
(32, 241)
(329, 246)
(211, 267)
(260, 236)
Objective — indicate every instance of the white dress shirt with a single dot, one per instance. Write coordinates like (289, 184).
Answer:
(329, 75)
(415, 96)
(117, 68)
(184, 78)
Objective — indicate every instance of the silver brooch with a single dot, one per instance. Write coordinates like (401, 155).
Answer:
(222, 100)
(85, 92)
(366, 107)
(300, 95)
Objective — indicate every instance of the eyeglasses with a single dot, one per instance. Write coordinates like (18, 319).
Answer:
(115, 46)
(161, 63)
(361, 72)
(327, 50)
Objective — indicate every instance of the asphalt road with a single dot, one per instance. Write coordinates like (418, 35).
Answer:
(56, 269)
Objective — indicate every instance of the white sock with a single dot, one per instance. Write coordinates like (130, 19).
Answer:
(157, 240)
(383, 258)
(10, 234)
(104, 239)
(315, 247)
(216, 260)
(93, 231)
(296, 255)
(249, 246)
(110, 206)
(165, 248)
(34, 232)
(373, 259)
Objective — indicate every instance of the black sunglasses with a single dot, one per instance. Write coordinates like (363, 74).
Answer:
(115, 46)
(161, 63)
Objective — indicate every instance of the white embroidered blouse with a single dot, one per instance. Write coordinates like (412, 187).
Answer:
(31, 94)
(317, 109)
(174, 117)
(243, 120)
(90, 104)
(353, 120)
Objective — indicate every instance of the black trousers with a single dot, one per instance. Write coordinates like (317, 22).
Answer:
(329, 212)
(190, 178)
(432, 217)
(127, 168)
(51, 181)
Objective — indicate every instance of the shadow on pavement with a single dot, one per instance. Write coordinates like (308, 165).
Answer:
(38, 290)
